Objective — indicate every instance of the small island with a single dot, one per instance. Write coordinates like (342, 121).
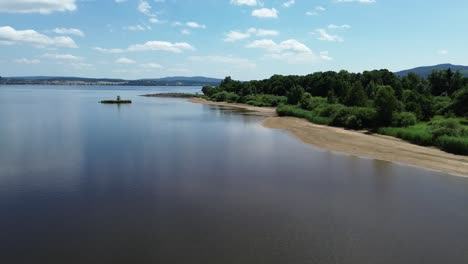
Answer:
(117, 101)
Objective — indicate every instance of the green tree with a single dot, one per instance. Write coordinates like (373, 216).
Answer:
(385, 103)
(331, 97)
(356, 96)
(295, 94)
(459, 104)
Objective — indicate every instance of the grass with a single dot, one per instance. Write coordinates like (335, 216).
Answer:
(420, 134)
(296, 111)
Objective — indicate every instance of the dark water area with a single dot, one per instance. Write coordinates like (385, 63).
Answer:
(167, 181)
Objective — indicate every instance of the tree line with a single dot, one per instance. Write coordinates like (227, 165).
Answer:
(367, 100)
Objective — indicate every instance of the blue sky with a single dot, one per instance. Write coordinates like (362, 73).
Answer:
(246, 39)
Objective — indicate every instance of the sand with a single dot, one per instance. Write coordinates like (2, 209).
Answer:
(358, 143)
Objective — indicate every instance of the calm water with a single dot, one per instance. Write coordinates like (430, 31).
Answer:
(167, 181)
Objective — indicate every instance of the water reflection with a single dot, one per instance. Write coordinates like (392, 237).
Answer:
(167, 181)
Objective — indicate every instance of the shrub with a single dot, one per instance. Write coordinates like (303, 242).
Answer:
(404, 119)
(455, 145)
(210, 91)
(263, 100)
(292, 110)
(329, 109)
(311, 103)
(446, 127)
(225, 97)
(416, 134)
(353, 117)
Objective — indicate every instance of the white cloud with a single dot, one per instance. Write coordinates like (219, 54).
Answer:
(185, 32)
(244, 2)
(10, 36)
(161, 46)
(356, 1)
(316, 12)
(112, 51)
(68, 31)
(325, 36)
(232, 36)
(27, 61)
(151, 66)
(67, 57)
(324, 56)
(138, 28)
(124, 60)
(320, 8)
(333, 26)
(120, 1)
(145, 8)
(195, 25)
(289, 3)
(177, 47)
(291, 45)
(265, 13)
(36, 6)
(290, 51)
(443, 52)
(154, 20)
(233, 61)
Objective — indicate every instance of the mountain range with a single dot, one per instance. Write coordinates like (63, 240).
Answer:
(59, 80)
(427, 70)
(182, 80)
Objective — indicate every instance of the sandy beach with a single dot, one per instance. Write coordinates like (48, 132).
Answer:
(358, 143)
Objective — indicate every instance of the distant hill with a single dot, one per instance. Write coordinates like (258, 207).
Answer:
(427, 70)
(59, 80)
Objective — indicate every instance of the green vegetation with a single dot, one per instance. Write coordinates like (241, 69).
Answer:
(426, 111)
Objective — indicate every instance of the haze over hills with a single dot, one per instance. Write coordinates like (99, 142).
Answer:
(61, 80)
(427, 70)
(423, 71)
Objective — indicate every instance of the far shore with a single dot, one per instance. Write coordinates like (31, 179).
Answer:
(357, 143)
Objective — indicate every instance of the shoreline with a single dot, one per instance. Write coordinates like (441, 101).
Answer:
(357, 143)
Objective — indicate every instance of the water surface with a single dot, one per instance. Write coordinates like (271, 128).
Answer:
(167, 181)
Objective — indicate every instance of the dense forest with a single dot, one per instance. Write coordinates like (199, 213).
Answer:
(428, 111)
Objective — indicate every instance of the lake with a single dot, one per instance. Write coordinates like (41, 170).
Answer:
(167, 181)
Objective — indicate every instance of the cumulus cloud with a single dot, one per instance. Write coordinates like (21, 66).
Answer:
(68, 31)
(289, 51)
(138, 28)
(177, 47)
(124, 60)
(324, 56)
(194, 25)
(27, 61)
(325, 36)
(232, 36)
(151, 66)
(161, 46)
(289, 3)
(244, 2)
(265, 13)
(333, 26)
(112, 51)
(11, 36)
(66, 57)
(36, 6)
(287, 45)
(145, 8)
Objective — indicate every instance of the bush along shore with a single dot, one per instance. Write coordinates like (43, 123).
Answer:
(429, 111)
